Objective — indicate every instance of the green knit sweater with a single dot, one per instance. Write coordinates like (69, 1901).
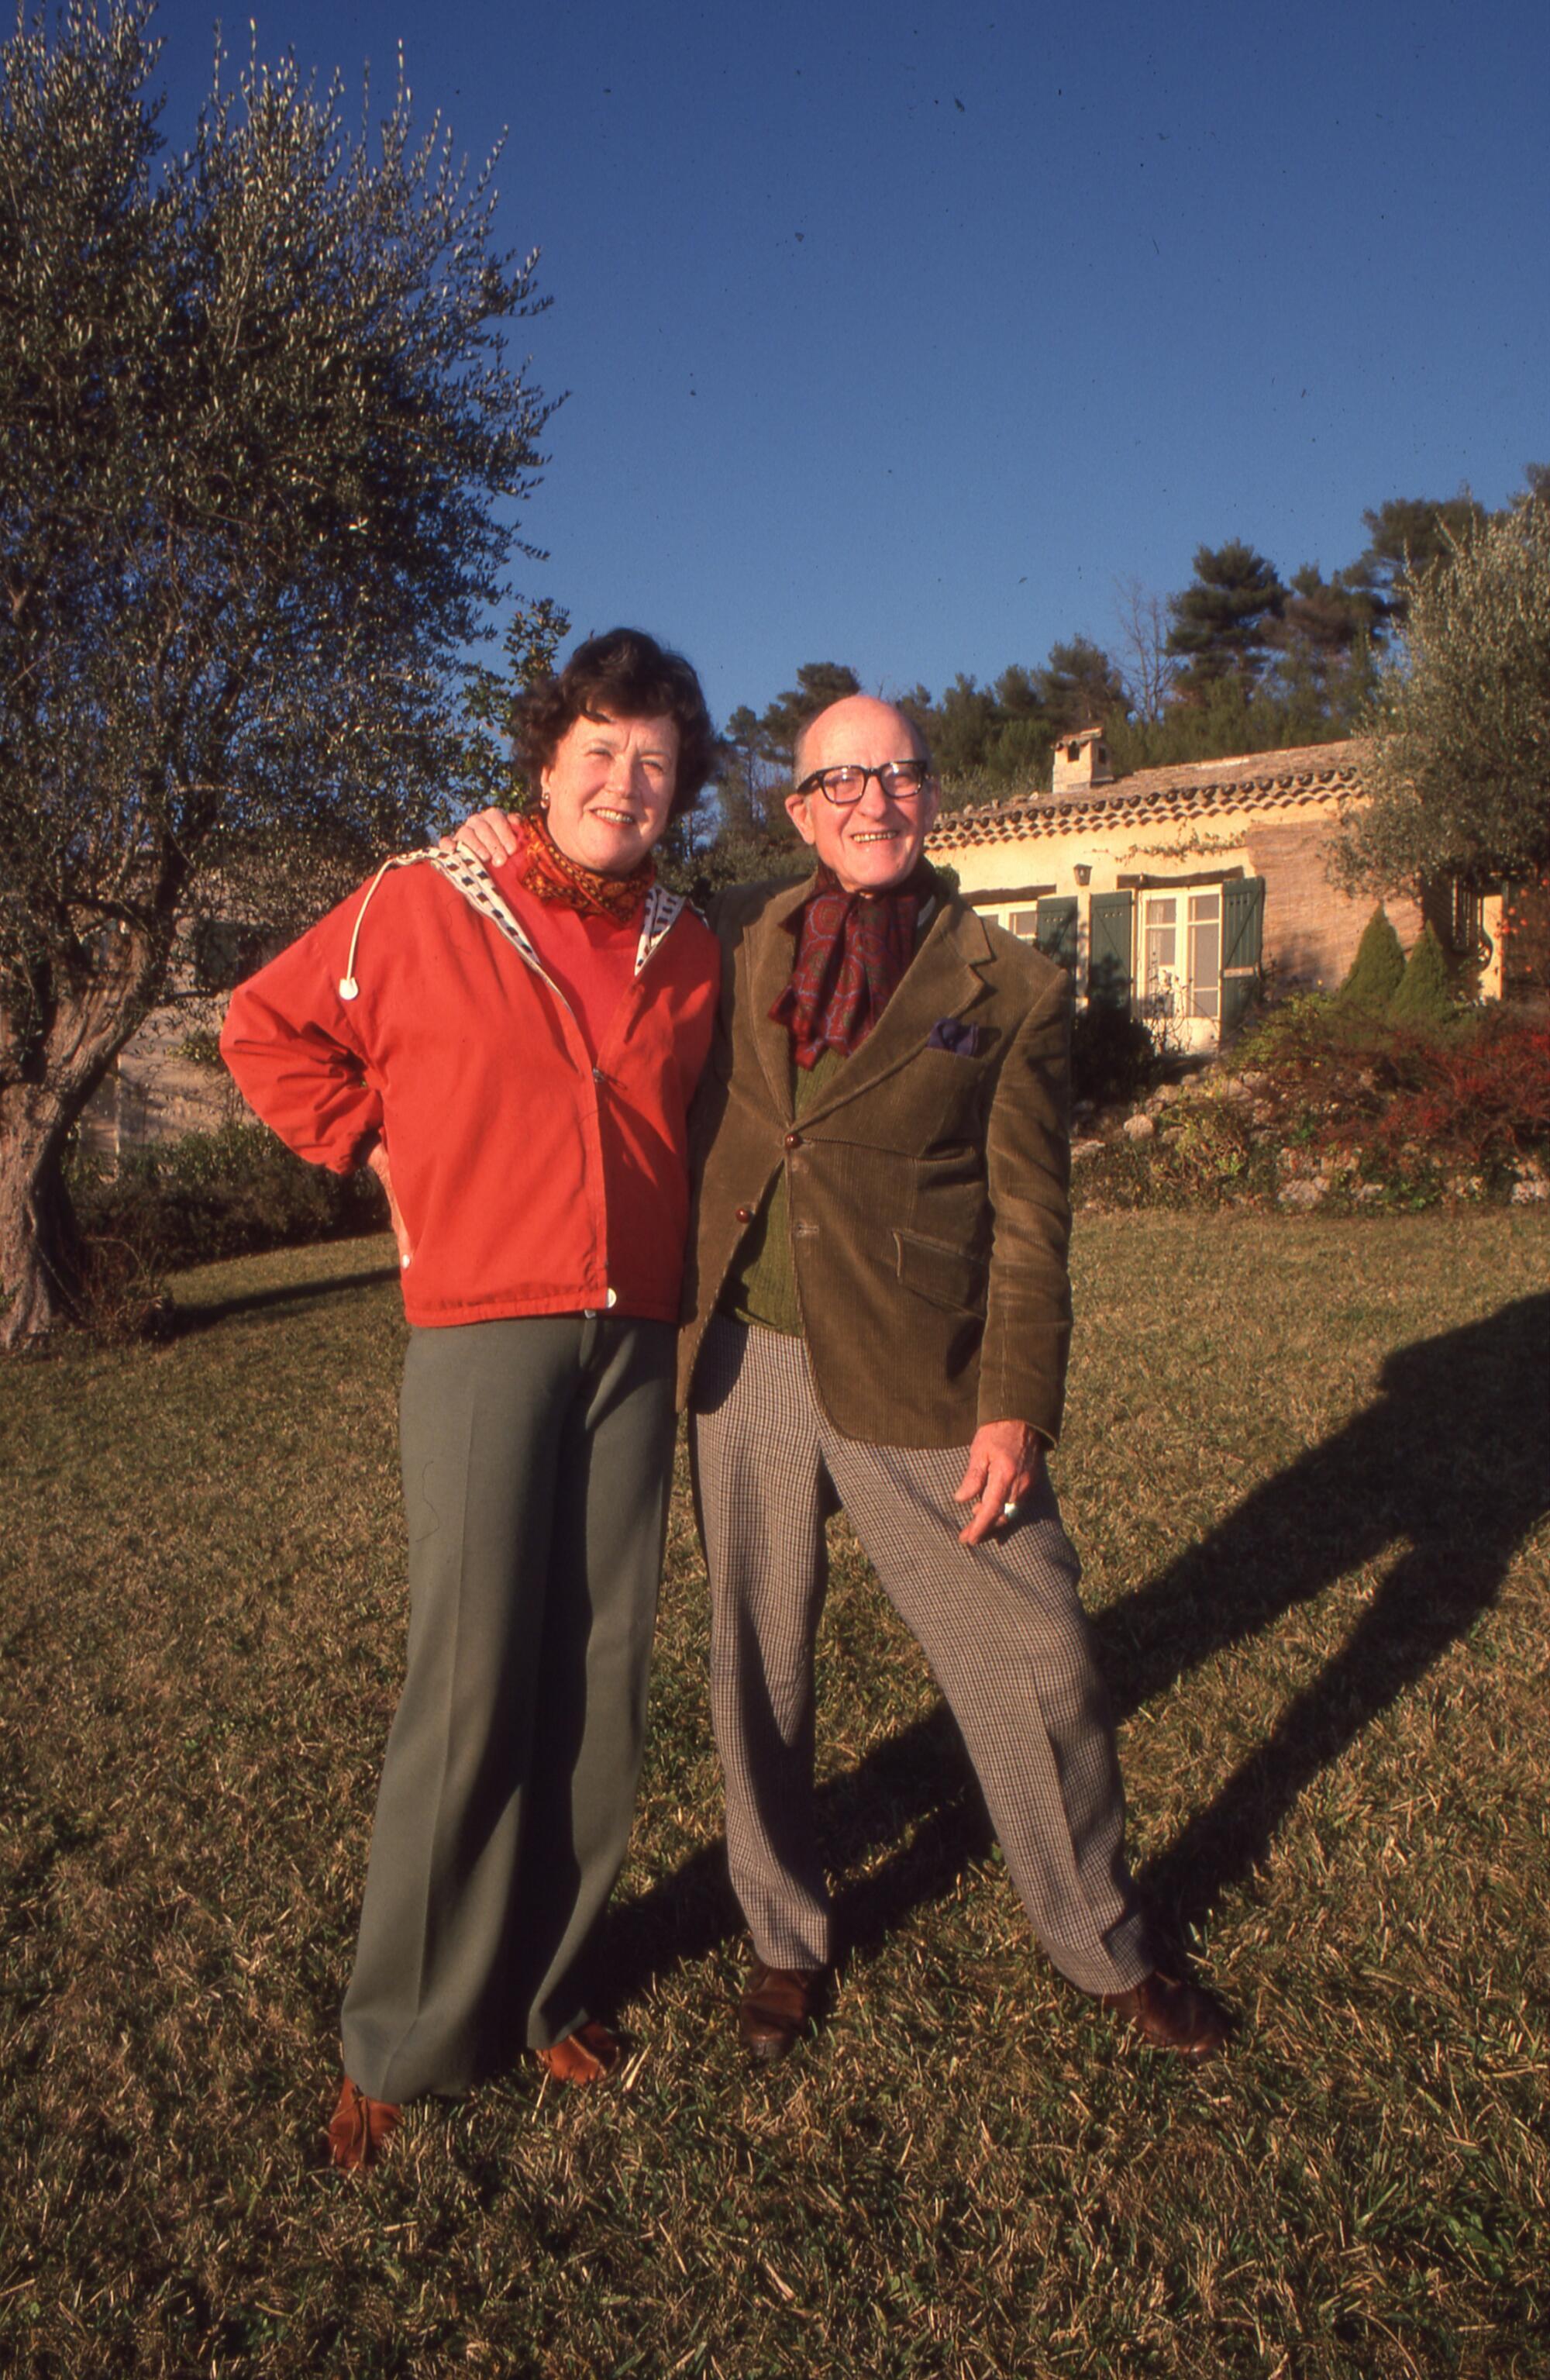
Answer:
(762, 1286)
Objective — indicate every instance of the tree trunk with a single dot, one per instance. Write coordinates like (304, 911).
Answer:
(39, 1246)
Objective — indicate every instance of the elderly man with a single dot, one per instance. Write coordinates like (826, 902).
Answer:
(880, 1319)
(880, 1315)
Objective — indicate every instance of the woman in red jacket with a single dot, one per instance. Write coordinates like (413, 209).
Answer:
(512, 1050)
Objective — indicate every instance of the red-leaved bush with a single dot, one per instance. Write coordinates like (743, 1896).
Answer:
(1476, 1103)
(1349, 1113)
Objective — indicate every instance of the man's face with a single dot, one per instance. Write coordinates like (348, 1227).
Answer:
(870, 844)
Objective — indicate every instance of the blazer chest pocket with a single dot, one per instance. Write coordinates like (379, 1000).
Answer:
(941, 1273)
(949, 1094)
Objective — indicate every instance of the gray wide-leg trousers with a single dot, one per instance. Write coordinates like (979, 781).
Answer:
(536, 1464)
(1000, 1624)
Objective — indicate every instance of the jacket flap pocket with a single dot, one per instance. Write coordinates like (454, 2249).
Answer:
(941, 1273)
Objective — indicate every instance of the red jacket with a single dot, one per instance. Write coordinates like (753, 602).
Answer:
(530, 1181)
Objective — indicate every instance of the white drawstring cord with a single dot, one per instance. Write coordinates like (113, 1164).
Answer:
(348, 988)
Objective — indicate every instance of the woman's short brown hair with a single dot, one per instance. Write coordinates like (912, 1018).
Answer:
(628, 676)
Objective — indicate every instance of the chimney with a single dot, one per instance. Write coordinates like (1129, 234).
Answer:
(1082, 761)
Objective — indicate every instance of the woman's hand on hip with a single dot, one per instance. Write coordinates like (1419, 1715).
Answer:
(378, 1162)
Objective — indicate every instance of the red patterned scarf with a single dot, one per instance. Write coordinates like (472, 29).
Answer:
(851, 952)
(548, 875)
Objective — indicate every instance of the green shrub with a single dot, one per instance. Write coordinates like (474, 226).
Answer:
(1376, 970)
(1424, 999)
(1284, 1035)
(1112, 1055)
(209, 1195)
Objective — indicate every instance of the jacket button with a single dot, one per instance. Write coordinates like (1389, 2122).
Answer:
(745, 1214)
(597, 1074)
(794, 1140)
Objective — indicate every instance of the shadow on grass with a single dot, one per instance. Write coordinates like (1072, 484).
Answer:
(186, 1320)
(1449, 1465)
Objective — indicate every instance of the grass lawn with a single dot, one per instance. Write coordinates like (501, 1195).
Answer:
(1306, 1464)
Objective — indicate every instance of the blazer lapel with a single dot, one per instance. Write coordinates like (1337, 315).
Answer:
(771, 948)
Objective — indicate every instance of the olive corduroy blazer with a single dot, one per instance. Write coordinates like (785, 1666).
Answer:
(929, 1179)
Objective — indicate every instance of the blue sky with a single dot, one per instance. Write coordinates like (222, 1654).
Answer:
(898, 334)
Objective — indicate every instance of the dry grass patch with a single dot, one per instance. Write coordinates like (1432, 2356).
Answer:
(1306, 1467)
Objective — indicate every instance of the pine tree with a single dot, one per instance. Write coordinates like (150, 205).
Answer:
(1425, 997)
(817, 685)
(1222, 622)
(1377, 969)
(1406, 537)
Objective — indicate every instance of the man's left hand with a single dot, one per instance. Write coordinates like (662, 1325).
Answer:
(489, 834)
(1003, 1467)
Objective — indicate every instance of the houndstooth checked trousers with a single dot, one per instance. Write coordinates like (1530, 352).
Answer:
(1000, 1624)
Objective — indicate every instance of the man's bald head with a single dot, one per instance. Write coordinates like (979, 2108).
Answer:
(851, 711)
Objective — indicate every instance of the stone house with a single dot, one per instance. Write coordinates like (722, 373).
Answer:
(1178, 891)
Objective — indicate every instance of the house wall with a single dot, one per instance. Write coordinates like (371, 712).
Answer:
(1311, 930)
(1493, 975)
(1523, 940)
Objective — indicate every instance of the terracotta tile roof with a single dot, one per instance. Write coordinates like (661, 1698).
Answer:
(1308, 772)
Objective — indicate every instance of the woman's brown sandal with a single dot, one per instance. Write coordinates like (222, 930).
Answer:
(359, 2128)
(587, 2055)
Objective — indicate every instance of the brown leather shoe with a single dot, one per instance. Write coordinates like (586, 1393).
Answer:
(777, 2007)
(1169, 2014)
(584, 2056)
(359, 2128)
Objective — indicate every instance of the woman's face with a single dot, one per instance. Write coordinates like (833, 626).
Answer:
(609, 789)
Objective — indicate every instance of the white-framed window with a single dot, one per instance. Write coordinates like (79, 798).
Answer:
(1159, 953)
(1023, 922)
(1181, 954)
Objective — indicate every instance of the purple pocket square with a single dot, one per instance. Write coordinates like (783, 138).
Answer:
(949, 1033)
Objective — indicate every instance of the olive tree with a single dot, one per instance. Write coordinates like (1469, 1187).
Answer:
(260, 452)
(1459, 779)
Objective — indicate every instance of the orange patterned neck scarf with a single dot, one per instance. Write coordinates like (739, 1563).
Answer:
(548, 875)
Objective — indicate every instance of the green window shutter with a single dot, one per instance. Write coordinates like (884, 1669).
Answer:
(1055, 930)
(1243, 937)
(1108, 963)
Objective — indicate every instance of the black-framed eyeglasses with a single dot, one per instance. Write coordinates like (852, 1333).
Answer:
(901, 781)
